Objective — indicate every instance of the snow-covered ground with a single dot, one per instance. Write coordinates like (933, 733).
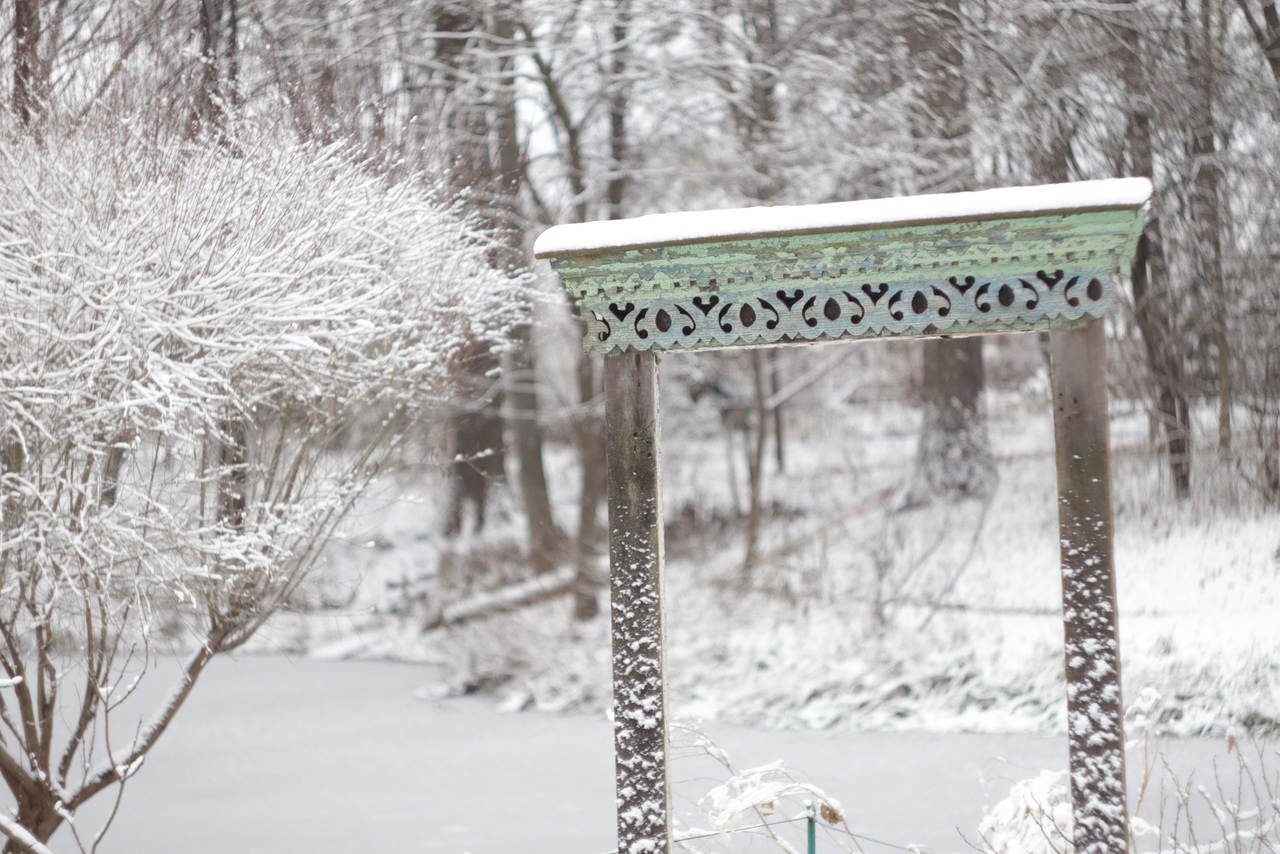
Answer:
(861, 615)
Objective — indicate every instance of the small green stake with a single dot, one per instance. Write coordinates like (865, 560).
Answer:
(813, 827)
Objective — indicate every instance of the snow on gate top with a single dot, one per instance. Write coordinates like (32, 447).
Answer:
(979, 263)
(766, 221)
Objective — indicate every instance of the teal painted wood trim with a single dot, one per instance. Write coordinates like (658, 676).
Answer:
(966, 277)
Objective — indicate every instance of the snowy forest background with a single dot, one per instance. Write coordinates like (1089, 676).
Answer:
(277, 370)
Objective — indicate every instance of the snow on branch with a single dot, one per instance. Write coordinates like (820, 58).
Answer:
(163, 300)
(208, 354)
(21, 836)
(505, 599)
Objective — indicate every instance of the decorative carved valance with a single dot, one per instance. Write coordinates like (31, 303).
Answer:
(641, 284)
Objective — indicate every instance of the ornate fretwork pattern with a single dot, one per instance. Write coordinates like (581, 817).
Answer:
(818, 310)
(959, 278)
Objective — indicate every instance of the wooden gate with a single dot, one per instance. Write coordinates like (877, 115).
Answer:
(985, 263)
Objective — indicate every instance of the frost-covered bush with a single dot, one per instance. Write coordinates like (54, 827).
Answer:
(1171, 812)
(766, 803)
(1034, 819)
(206, 354)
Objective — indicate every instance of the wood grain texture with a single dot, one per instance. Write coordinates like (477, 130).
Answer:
(1095, 710)
(640, 719)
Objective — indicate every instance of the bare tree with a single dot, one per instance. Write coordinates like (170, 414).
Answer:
(1201, 39)
(953, 456)
(1266, 32)
(208, 357)
(750, 51)
(582, 96)
(1151, 295)
(546, 540)
(218, 24)
(475, 421)
(27, 69)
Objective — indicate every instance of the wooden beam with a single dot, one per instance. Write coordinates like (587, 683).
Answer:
(1095, 710)
(970, 277)
(636, 578)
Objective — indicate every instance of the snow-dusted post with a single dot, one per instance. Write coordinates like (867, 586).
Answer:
(640, 730)
(983, 263)
(1095, 712)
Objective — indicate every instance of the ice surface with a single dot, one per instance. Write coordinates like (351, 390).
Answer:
(278, 755)
(695, 226)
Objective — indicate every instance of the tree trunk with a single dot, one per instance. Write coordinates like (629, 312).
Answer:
(1206, 207)
(233, 54)
(26, 60)
(1267, 33)
(40, 818)
(207, 111)
(1051, 152)
(233, 474)
(589, 425)
(756, 116)
(589, 438)
(546, 541)
(1152, 310)
(476, 424)
(755, 464)
(619, 98)
(775, 385)
(939, 119)
(953, 456)
(13, 461)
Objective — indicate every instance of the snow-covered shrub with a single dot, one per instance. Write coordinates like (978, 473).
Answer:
(766, 803)
(1238, 812)
(1171, 812)
(206, 355)
(1034, 819)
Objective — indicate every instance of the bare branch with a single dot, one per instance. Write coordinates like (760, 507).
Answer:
(21, 836)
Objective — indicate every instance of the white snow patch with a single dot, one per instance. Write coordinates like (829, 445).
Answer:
(1034, 819)
(764, 221)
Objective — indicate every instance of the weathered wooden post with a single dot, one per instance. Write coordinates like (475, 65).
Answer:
(1095, 714)
(983, 263)
(632, 434)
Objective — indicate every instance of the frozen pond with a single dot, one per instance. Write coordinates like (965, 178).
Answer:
(279, 755)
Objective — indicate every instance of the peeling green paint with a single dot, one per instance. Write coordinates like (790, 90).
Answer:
(975, 276)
